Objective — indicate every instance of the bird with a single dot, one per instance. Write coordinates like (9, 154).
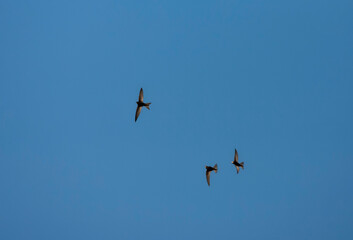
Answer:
(141, 104)
(208, 172)
(236, 163)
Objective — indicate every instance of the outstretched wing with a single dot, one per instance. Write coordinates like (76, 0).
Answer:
(236, 156)
(237, 168)
(138, 110)
(208, 173)
(141, 95)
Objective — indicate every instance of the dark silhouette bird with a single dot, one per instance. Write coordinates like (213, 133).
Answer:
(208, 172)
(141, 104)
(236, 163)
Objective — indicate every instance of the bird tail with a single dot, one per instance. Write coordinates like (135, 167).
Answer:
(147, 105)
(215, 168)
(242, 165)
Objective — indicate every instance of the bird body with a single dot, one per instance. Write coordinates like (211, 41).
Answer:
(236, 163)
(141, 104)
(209, 169)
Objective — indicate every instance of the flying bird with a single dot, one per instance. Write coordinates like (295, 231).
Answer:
(141, 104)
(236, 163)
(208, 172)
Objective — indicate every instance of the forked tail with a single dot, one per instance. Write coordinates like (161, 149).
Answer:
(215, 168)
(147, 105)
(242, 165)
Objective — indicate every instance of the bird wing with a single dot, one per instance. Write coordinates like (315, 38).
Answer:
(237, 168)
(236, 156)
(138, 110)
(208, 173)
(141, 95)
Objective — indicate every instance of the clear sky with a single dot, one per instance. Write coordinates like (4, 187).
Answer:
(273, 79)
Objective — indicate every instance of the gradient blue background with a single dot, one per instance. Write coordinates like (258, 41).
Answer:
(272, 78)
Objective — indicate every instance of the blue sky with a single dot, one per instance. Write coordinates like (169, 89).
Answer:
(271, 78)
